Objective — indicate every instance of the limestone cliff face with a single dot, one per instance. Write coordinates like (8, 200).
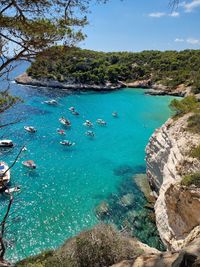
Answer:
(177, 207)
(24, 79)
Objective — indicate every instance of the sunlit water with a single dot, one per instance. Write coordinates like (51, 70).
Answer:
(58, 199)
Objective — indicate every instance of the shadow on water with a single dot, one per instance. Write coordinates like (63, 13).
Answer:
(125, 170)
(33, 110)
(129, 210)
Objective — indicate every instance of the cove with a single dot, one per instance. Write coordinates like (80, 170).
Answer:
(59, 198)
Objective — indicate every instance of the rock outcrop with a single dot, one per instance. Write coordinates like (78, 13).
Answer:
(180, 90)
(160, 89)
(189, 256)
(24, 79)
(177, 207)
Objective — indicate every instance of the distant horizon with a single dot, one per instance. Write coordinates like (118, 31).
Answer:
(131, 51)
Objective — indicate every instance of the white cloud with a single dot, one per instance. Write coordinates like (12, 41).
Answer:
(162, 14)
(189, 7)
(174, 14)
(157, 14)
(193, 41)
(179, 40)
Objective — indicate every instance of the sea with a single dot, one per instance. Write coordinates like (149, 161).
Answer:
(74, 188)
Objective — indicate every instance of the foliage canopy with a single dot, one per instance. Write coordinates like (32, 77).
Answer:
(170, 68)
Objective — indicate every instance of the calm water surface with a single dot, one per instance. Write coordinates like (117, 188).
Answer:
(58, 199)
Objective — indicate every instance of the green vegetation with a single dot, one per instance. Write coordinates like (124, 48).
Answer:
(170, 68)
(185, 105)
(101, 246)
(194, 123)
(7, 100)
(191, 179)
(195, 153)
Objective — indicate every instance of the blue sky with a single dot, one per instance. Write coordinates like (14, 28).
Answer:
(136, 25)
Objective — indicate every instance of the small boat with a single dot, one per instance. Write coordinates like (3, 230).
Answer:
(67, 143)
(52, 102)
(75, 113)
(61, 132)
(24, 149)
(90, 133)
(6, 143)
(30, 129)
(88, 123)
(65, 122)
(101, 122)
(4, 174)
(115, 114)
(29, 164)
(71, 109)
(12, 190)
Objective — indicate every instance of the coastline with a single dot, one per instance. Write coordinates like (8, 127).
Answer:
(173, 231)
(167, 161)
(153, 88)
(24, 79)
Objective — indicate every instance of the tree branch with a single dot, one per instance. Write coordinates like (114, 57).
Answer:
(14, 161)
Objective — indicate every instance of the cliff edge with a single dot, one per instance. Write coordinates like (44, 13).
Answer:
(168, 160)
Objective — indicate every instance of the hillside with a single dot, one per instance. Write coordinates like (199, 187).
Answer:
(170, 69)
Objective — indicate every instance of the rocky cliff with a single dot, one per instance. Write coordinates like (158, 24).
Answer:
(24, 79)
(177, 207)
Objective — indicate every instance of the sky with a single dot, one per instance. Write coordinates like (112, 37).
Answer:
(137, 25)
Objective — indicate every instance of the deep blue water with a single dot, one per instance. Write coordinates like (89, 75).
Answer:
(59, 198)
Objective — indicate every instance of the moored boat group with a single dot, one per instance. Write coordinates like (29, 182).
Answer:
(6, 143)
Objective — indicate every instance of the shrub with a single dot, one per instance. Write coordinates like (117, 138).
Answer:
(190, 179)
(194, 123)
(101, 246)
(195, 153)
(187, 104)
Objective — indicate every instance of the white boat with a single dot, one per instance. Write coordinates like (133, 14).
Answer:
(12, 190)
(101, 122)
(65, 122)
(52, 102)
(61, 132)
(29, 164)
(115, 114)
(30, 129)
(71, 109)
(6, 143)
(88, 123)
(24, 149)
(90, 133)
(67, 143)
(4, 174)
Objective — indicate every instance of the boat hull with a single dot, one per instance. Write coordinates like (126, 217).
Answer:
(4, 179)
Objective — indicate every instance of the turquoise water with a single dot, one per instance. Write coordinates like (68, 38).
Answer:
(58, 199)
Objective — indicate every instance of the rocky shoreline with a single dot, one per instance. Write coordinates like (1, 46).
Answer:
(153, 88)
(160, 89)
(24, 79)
(168, 160)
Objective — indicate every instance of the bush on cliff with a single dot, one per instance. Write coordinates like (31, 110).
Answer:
(191, 179)
(195, 153)
(185, 105)
(101, 246)
(194, 123)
